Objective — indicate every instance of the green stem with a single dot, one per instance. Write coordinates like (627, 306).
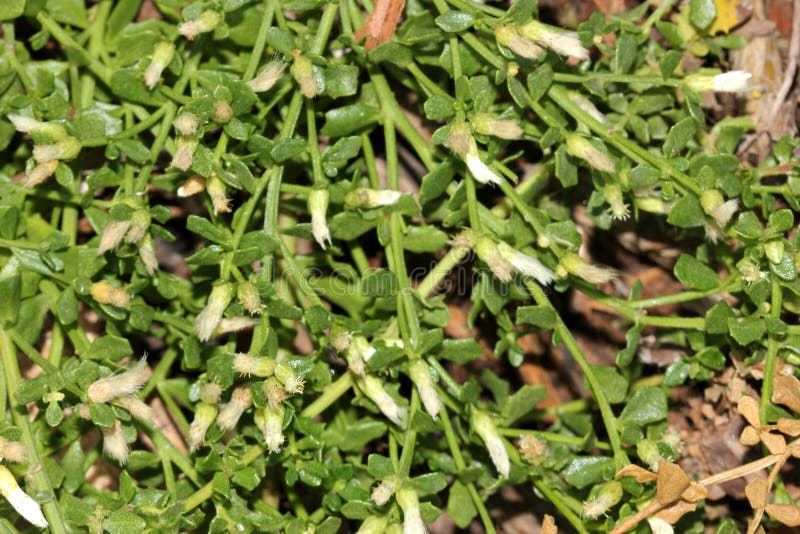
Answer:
(39, 481)
(565, 510)
(695, 323)
(771, 360)
(609, 420)
(66, 40)
(442, 269)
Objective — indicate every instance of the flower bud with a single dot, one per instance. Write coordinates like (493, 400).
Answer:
(532, 449)
(193, 185)
(147, 253)
(184, 152)
(286, 375)
(206, 22)
(140, 222)
(204, 415)
(268, 76)
(573, 264)
(42, 132)
(421, 376)
(112, 235)
(208, 319)
(358, 353)
(65, 149)
(121, 385)
(222, 112)
(13, 451)
(210, 393)
(302, 71)
(105, 293)
(270, 422)
(249, 297)
(750, 271)
(374, 524)
(261, 366)
(648, 452)
(617, 208)
(137, 408)
(340, 338)
(488, 251)
(586, 105)
(774, 250)
(162, 57)
(526, 265)
(559, 41)
(412, 519)
(371, 198)
(41, 172)
(386, 489)
(486, 124)
(609, 494)
(717, 207)
(543, 241)
(582, 148)
(114, 444)
(186, 123)
(372, 387)
(233, 324)
(508, 35)
(653, 205)
(274, 392)
(484, 426)
(19, 500)
(735, 81)
(216, 190)
(464, 146)
(231, 412)
(318, 206)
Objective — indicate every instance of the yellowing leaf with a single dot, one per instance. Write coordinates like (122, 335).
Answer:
(726, 17)
(788, 514)
(756, 492)
(671, 482)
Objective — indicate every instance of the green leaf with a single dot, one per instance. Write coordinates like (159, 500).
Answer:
(246, 477)
(380, 283)
(109, 348)
(281, 40)
(460, 507)
(127, 84)
(124, 522)
(439, 107)
(379, 466)
(11, 9)
(287, 149)
(522, 403)
(702, 13)
(392, 52)
(668, 63)
(207, 229)
(71, 12)
(566, 171)
(539, 81)
(72, 464)
(747, 329)
(626, 54)
(454, 21)
(348, 119)
(253, 247)
(679, 136)
(426, 238)
(102, 415)
(748, 226)
(436, 181)
(584, 471)
(613, 384)
(677, 373)
(341, 80)
(541, 316)
(429, 484)
(711, 357)
(686, 213)
(134, 149)
(717, 318)
(460, 350)
(647, 405)
(692, 273)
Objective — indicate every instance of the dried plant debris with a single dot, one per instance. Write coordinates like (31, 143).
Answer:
(302, 266)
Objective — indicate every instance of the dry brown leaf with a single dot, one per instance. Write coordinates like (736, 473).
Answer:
(790, 427)
(639, 473)
(774, 442)
(549, 525)
(749, 436)
(694, 492)
(748, 407)
(787, 392)
(788, 514)
(671, 482)
(672, 514)
(756, 492)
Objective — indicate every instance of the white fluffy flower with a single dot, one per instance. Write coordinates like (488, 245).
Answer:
(19, 500)
(484, 426)
(412, 518)
(526, 265)
(559, 41)
(208, 319)
(480, 171)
